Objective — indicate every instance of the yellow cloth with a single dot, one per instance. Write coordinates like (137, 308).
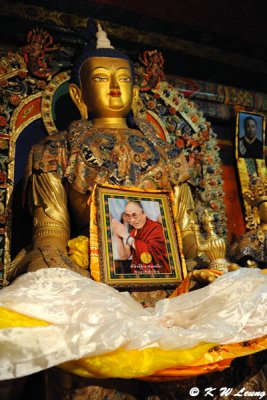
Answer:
(150, 363)
(62, 297)
(198, 360)
(78, 251)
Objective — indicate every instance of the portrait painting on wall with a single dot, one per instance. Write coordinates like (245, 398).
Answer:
(138, 239)
(250, 135)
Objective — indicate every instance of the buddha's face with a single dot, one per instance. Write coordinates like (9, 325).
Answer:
(107, 87)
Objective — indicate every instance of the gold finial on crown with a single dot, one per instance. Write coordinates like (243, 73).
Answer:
(257, 191)
(102, 40)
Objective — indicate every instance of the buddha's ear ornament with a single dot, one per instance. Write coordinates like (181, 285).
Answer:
(102, 41)
(256, 215)
(135, 101)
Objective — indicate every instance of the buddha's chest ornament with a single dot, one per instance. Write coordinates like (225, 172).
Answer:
(121, 154)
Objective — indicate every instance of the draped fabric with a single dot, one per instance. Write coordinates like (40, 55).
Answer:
(62, 316)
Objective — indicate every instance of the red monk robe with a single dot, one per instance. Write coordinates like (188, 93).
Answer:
(150, 253)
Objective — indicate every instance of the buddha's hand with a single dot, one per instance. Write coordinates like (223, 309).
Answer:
(119, 229)
(206, 276)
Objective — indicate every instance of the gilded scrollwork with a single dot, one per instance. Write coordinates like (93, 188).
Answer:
(251, 248)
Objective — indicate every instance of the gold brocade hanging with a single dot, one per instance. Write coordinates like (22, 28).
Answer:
(94, 254)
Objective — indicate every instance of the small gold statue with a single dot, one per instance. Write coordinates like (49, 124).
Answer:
(251, 249)
(213, 248)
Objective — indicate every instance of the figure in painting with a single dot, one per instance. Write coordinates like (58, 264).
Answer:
(145, 243)
(249, 145)
(121, 266)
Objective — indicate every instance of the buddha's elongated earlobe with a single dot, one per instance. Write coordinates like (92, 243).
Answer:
(76, 96)
(135, 100)
(256, 215)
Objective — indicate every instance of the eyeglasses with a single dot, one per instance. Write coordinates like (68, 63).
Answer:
(133, 215)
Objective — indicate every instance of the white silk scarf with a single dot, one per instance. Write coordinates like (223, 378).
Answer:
(89, 318)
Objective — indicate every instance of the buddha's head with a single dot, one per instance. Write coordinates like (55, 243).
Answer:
(102, 85)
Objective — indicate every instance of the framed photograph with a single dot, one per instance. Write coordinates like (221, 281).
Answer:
(137, 239)
(250, 135)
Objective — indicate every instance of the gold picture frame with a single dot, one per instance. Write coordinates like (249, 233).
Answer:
(250, 135)
(155, 259)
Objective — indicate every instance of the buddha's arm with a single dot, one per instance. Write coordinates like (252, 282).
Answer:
(48, 204)
(193, 242)
(185, 213)
(47, 201)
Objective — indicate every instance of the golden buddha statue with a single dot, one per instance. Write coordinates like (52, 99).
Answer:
(104, 147)
(100, 148)
(251, 249)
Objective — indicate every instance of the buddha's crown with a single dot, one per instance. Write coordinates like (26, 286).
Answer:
(257, 190)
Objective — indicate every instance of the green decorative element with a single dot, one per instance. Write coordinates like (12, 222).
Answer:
(251, 166)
